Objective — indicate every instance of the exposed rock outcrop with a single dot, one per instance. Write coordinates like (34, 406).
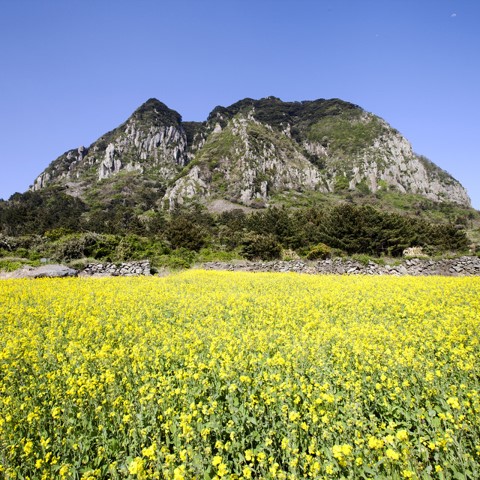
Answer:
(151, 142)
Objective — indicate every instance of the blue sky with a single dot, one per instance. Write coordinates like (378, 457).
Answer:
(72, 70)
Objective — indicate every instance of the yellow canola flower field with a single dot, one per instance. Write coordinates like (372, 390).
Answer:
(239, 375)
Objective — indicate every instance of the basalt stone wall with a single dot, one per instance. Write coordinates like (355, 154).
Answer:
(128, 269)
(463, 266)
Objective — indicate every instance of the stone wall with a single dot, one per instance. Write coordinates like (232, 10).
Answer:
(128, 269)
(463, 266)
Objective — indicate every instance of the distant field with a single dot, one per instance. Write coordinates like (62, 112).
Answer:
(239, 375)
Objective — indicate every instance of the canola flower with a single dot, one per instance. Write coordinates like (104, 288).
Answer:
(236, 375)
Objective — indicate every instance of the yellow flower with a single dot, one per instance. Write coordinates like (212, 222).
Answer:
(56, 411)
(346, 449)
(389, 439)
(179, 473)
(150, 451)
(340, 451)
(273, 469)
(454, 403)
(64, 470)
(261, 457)
(375, 443)
(135, 467)
(28, 447)
(293, 416)
(151, 358)
(90, 475)
(392, 454)
(329, 469)
(222, 470)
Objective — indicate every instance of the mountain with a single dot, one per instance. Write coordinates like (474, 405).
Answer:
(250, 154)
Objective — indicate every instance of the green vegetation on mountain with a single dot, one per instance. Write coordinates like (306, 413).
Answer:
(38, 212)
(53, 225)
(273, 111)
(346, 134)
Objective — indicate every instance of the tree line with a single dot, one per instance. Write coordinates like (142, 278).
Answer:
(117, 229)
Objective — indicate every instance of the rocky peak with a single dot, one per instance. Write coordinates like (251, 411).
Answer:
(152, 139)
(155, 113)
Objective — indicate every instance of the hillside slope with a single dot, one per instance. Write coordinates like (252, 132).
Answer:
(249, 154)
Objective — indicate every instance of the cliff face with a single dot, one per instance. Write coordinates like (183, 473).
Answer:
(251, 151)
(152, 142)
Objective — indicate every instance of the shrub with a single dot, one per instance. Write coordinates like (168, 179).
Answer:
(21, 252)
(133, 247)
(212, 255)
(290, 255)
(341, 183)
(100, 246)
(178, 259)
(258, 246)
(76, 246)
(363, 258)
(182, 232)
(70, 247)
(319, 252)
(10, 265)
(81, 263)
(4, 243)
(57, 233)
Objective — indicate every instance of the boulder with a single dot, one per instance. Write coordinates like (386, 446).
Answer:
(45, 271)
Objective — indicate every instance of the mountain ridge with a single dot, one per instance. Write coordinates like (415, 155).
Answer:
(249, 153)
